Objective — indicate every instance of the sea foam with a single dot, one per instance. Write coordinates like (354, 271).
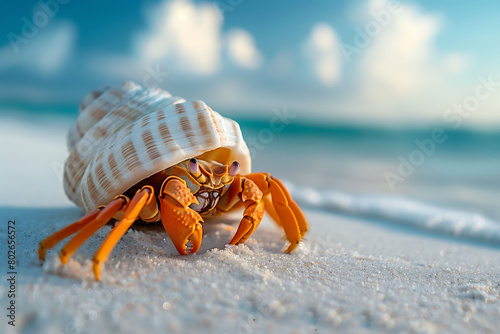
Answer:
(401, 210)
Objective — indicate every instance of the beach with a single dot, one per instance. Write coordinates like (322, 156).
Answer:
(380, 117)
(372, 261)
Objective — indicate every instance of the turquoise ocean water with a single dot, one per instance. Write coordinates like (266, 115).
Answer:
(461, 172)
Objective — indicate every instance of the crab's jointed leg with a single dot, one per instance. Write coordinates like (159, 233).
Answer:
(106, 214)
(251, 196)
(299, 215)
(57, 237)
(291, 217)
(280, 206)
(143, 198)
(85, 227)
(268, 205)
(143, 205)
(179, 220)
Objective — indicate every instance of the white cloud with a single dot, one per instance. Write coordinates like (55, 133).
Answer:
(399, 74)
(396, 75)
(242, 49)
(182, 37)
(46, 52)
(184, 34)
(398, 63)
(323, 49)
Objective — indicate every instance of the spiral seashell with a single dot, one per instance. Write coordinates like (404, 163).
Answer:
(125, 134)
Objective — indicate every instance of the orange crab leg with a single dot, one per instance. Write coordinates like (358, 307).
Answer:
(104, 216)
(287, 217)
(180, 222)
(150, 213)
(290, 216)
(299, 215)
(57, 237)
(268, 205)
(251, 196)
(251, 219)
(140, 199)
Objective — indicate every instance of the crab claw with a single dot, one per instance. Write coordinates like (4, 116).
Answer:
(251, 219)
(180, 221)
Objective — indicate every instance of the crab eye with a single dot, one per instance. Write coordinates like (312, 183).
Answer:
(193, 166)
(234, 168)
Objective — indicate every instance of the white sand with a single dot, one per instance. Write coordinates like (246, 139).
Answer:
(356, 275)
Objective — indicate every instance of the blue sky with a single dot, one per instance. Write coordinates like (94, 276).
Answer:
(418, 61)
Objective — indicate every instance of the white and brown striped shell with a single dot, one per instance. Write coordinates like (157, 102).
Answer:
(125, 134)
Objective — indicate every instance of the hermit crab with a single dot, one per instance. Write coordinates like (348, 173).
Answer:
(142, 155)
